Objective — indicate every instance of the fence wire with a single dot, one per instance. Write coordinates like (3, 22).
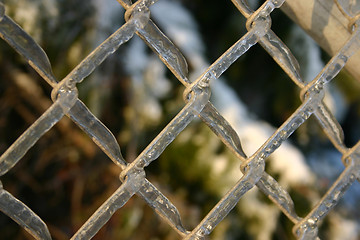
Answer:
(197, 104)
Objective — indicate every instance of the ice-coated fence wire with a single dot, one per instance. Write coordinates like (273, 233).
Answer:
(197, 104)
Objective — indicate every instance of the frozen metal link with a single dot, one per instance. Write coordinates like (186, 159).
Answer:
(276, 193)
(139, 17)
(65, 100)
(219, 125)
(140, 7)
(303, 112)
(131, 185)
(166, 50)
(274, 46)
(258, 25)
(16, 37)
(282, 55)
(328, 122)
(163, 47)
(196, 95)
(148, 192)
(334, 66)
(23, 215)
(80, 114)
(252, 174)
(263, 15)
(307, 228)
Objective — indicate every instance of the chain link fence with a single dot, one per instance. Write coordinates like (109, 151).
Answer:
(197, 105)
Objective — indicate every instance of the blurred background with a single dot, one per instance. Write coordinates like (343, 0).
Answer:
(65, 177)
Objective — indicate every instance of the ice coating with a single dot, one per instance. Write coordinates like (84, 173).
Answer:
(129, 187)
(23, 215)
(35, 55)
(79, 113)
(163, 47)
(196, 96)
(229, 201)
(162, 205)
(166, 50)
(16, 37)
(199, 98)
(47, 120)
(277, 194)
(223, 129)
(97, 131)
(286, 129)
(109, 46)
(283, 56)
(233, 53)
(336, 63)
(333, 195)
(219, 125)
(274, 46)
(331, 127)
